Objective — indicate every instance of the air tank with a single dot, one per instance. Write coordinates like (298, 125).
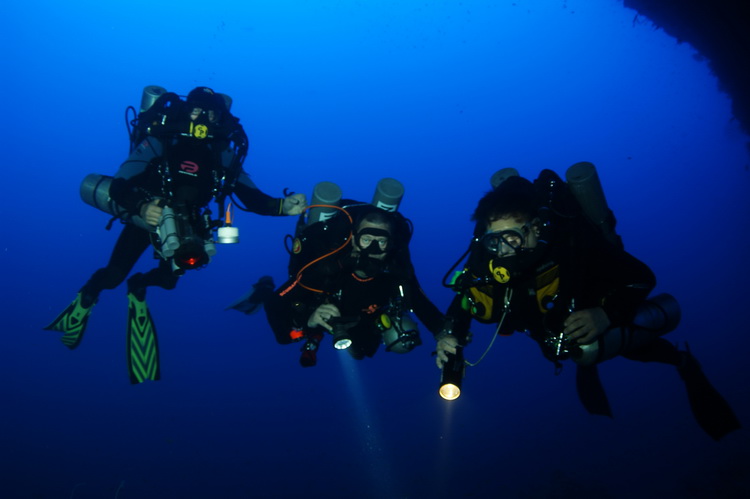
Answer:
(501, 176)
(388, 194)
(94, 192)
(150, 94)
(325, 195)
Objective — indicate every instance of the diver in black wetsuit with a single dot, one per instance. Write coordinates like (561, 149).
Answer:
(184, 154)
(351, 276)
(538, 265)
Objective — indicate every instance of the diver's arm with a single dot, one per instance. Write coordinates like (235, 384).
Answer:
(445, 345)
(261, 203)
(321, 315)
(256, 200)
(129, 187)
(426, 311)
(139, 160)
(454, 332)
(130, 194)
(630, 282)
(608, 285)
(584, 326)
(151, 212)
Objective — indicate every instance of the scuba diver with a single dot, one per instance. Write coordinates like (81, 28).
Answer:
(183, 155)
(350, 275)
(545, 260)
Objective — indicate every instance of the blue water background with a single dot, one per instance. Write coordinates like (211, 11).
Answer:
(439, 94)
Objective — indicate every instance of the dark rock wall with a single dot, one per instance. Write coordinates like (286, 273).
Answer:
(720, 31)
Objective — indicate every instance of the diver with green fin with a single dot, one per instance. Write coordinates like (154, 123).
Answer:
(350, 275)
(184, 154)
(545, 260)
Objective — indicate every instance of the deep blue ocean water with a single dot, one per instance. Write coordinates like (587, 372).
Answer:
(438, 94)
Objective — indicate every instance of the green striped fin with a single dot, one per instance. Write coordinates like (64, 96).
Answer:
(142, 345)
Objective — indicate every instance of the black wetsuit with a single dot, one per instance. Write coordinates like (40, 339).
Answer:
(563, 277)
(192, 166)
(578, 271)
(333, 280)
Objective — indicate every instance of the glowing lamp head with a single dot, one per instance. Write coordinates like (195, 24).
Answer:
(342, 343)
(449, 391)
(452, 375)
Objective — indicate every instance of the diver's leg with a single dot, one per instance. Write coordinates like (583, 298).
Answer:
(642, 339)
(130, 245)
(652, 350)
(591, 392)
(642, 342)
(161, 276)
(279, 312)
(309, 356)
(258, 295)
(632, 343)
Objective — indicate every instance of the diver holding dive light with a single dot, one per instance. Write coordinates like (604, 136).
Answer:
(183, 155)
(350, 275)
(545, 260)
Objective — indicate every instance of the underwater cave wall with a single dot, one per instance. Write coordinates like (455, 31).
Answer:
(718, 30)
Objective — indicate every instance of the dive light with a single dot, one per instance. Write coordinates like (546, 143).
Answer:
(342, 339)
(452, 376)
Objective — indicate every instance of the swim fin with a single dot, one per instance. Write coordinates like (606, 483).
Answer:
(253, 300)
(591, 391)
(712, 412)
(72, 321)
(142, 345)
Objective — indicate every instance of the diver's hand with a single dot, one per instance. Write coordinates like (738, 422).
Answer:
(294, 204)
(323, 314)
(151, 212)
(445, 345)
(583, 326)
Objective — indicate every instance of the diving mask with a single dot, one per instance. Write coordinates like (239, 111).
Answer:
(506, 242)
(373, 241)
